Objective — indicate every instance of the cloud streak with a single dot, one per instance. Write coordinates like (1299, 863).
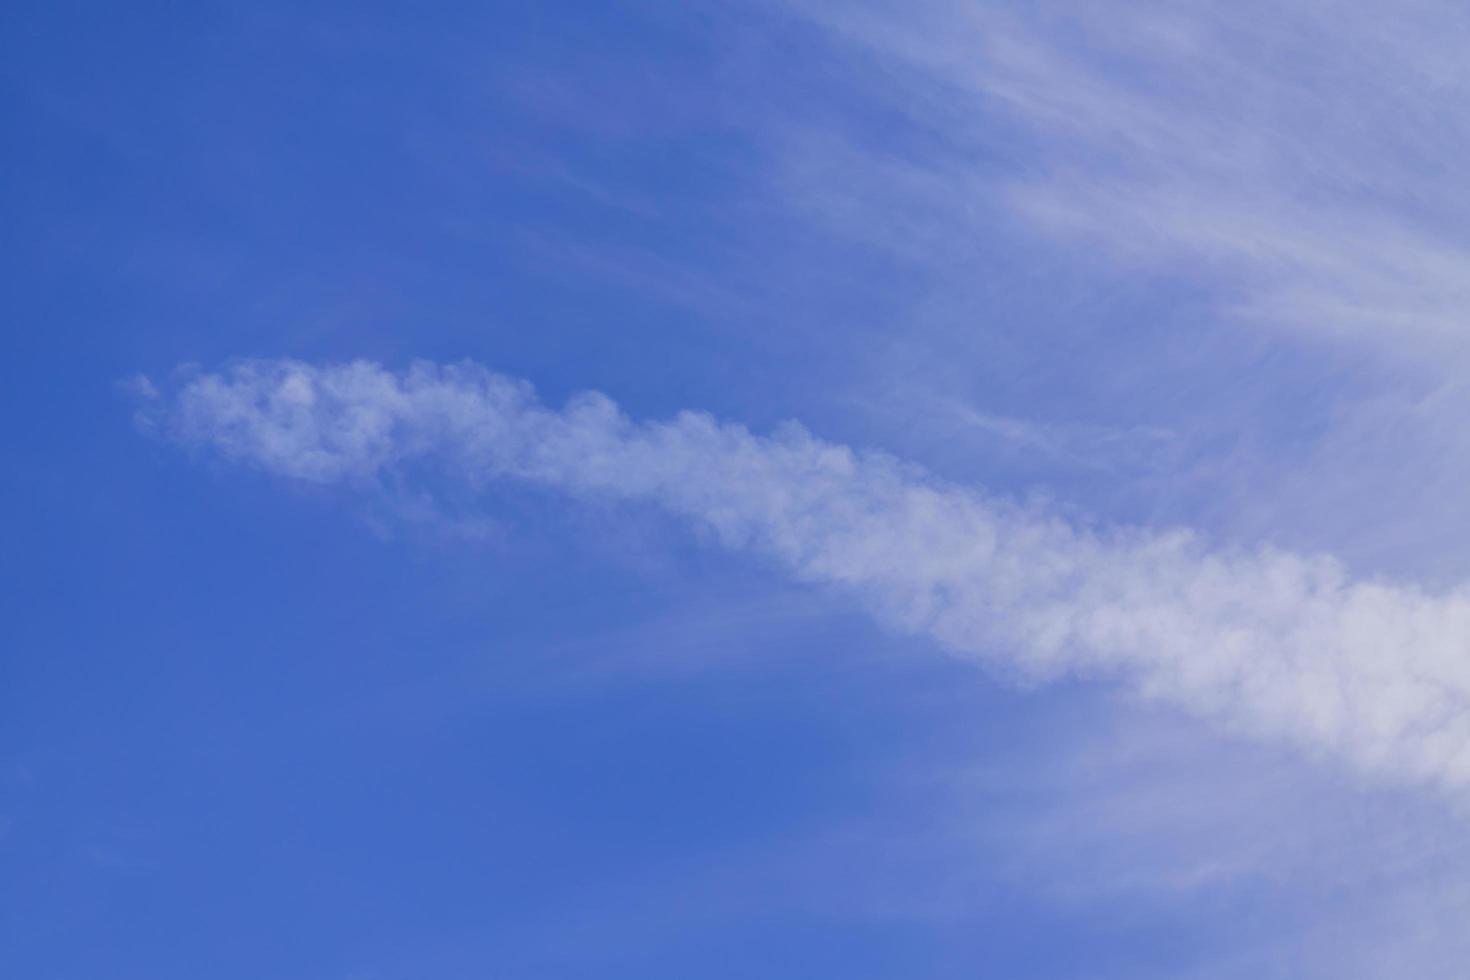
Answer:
(1303, 159)
(1284, 646)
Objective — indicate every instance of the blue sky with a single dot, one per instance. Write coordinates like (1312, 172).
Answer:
(750, 489)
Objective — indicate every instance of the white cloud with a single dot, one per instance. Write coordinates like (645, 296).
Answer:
(1277, 644)
(1304, 157)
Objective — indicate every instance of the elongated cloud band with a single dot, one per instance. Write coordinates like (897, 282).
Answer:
(1277, 644)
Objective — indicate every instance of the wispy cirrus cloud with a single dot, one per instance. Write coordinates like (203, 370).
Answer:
(1281, 645)
(1275, 189)
(1098, 811)
(1302, 159)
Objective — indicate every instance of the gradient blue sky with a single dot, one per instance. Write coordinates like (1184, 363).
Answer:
(1066, 580)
